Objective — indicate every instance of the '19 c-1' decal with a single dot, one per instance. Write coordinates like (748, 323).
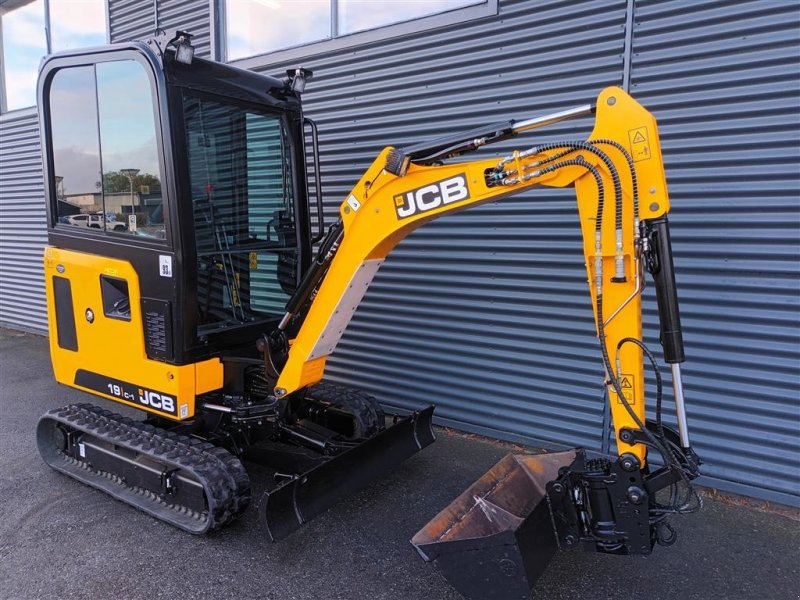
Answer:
(128, 392)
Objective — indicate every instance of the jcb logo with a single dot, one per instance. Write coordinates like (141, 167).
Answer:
(431, 196)
(159, 401)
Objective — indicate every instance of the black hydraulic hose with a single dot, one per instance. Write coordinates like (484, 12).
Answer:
(605, 158)
(656, 373)
(631, 168)
(659, 401)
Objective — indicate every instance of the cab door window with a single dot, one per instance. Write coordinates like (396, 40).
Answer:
(105, 153)
(243, 208)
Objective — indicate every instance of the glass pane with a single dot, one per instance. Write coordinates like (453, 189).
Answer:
(131, 174)
(243, 213)
(24, 45)
(77, 24)
(258, 26)
(76, 152)
(357, 15)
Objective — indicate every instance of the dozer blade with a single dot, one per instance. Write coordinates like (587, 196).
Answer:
(496, 539)
(296, 502)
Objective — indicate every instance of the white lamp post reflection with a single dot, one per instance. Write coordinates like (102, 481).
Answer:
(131, 173)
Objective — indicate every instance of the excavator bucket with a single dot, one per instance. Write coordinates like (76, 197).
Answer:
(496, 539)
(305, 496)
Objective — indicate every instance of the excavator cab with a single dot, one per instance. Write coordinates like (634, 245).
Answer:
(203, 168)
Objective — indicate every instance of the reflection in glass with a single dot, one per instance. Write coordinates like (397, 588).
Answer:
(77, 24)
(131, 175)
(243, 213)
(24, 44)
(76, 152)
(258, 26)
(358, 15)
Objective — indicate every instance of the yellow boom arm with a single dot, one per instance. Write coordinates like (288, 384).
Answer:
(384, 208)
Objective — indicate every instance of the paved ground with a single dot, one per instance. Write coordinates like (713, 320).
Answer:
(59, 539)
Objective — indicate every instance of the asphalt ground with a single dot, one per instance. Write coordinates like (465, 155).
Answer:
(61, 539)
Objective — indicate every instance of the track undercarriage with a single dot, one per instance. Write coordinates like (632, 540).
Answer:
(192, 475)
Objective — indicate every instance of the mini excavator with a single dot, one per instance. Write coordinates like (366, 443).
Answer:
(206, 307)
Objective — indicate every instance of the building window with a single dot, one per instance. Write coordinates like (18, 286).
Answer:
(77, 24)
(105, 154)
(24, 44)
(254, 27)
(26, 38)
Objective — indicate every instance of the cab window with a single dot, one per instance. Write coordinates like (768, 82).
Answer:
(106, 172)
(244, 217)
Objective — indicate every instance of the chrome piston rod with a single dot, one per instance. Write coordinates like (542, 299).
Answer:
(680, 406)
(543, 121)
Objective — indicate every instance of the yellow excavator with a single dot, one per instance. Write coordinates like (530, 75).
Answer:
(200, 300)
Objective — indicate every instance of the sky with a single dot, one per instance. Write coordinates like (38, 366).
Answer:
(75, 23)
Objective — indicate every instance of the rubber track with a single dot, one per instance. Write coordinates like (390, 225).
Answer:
(370, 418)
(224, 479)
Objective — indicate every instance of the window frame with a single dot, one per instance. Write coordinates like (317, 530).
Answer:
(487, 8)
(48, 51)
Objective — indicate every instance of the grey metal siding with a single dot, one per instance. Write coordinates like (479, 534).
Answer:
(22, 224)
(722, 78)
(130, 19)
(138, 19)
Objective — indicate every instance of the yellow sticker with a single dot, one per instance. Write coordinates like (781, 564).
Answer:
(640, 143)
(253, 260)
(626, 383)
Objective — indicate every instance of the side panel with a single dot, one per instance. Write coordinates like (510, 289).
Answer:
(111, 360)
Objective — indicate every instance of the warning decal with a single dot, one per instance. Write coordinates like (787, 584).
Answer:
(626, 383)
(640, 143)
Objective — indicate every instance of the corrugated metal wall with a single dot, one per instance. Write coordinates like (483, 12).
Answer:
(486, 313)
(136, 19)
(22, 224)
(130, 19)
(722, 78)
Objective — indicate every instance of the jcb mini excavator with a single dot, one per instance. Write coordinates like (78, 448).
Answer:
(206, 306)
